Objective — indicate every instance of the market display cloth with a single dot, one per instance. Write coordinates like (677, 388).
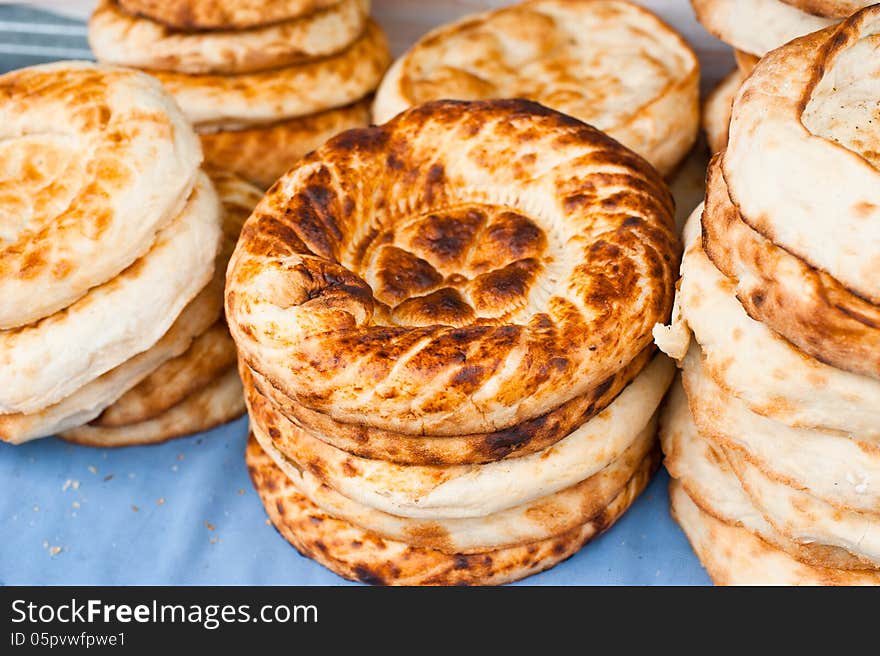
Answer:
(185, 512)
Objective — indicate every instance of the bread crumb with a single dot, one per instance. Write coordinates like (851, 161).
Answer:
(161, 501)
(135, 508)
(240, 492)
(209, 525)
(54, 551)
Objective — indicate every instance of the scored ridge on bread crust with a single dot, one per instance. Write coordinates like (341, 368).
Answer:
(222, 14)
(516, 441)
(404, 269)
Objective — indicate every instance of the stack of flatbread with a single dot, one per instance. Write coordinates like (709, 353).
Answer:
(444, 330)
(754, 28)
(264, 82)
(610, 63)
(775, 441)
(111, 261)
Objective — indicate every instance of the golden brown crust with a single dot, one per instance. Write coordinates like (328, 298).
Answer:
(117, 37)
(807, 306)
(265, 97)
(830, 8)
(263, 154)
(460, 269)
(359, 555)
(745, 61)
(218, 403)
(516, 441)
(210, 354)
(717, 108)
(612, 64)
(221, 14)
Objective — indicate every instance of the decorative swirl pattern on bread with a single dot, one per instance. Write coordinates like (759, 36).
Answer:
(460, 269)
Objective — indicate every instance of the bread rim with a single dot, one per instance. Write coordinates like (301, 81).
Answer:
(85, 197)
(118, 37)
(805, 305)
(293, 284)
(702, 467)
(777, 380)
(540, 519)
(208, 356)
(793, 123)
(250, 99)
(717, 108)
(756, 26)
(48, 361)
(733, 556)
(472, 490)
(661, 127)
(359, 555)
(195, 15)
(519, 440)
(264, 153)
(838, 470)
(830, 8)
(91, 400)
(212, 406)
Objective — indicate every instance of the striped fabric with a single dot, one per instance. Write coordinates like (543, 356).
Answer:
(30, 36)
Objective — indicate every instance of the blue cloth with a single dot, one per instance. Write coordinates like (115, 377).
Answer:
(185, 512)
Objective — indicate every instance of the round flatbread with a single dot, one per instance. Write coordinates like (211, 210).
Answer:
(836, 469)
(94, 161)
(807, 519)
(191, 15)
(44, 362)
(519, 440)
(801, 162)
(212, 406)
(359, 555)
(756, 26)
(540, 519)
(472, 490)
(117, 37)
(166, 356)
(249, 99)
(702, 468)
(209, 355)
(265, 153)
(803, 304)
(733, 556)
(774, 379)
(612, 64)
(461, 269)
(717, 108)
(88, 402)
